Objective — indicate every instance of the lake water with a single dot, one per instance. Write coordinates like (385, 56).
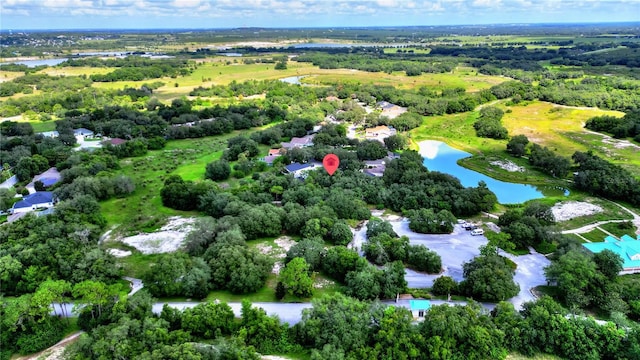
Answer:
(34, 63)
(439, 156)
(295, 80)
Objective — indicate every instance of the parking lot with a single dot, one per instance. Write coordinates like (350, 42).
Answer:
(459, 247)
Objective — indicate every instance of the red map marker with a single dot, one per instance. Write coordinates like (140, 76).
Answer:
(331, 163)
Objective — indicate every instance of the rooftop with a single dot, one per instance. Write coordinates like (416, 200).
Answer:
(419, 304)
(38, 197)
(297, 167)
(628, 248)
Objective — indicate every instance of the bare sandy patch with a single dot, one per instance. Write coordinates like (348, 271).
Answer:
(168, 239)
(567, 210)
(321, 283)
(507, 165)
(119, 253)
(285, 242)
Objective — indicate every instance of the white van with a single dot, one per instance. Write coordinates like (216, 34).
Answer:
(477, 232)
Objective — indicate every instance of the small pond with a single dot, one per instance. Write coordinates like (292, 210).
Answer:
(439, 156)
(295, 80)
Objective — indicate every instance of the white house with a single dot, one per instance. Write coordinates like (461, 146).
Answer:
(379, 132)
(419, 308)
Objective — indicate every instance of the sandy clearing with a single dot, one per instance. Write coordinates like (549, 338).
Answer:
(119, 253)
(284, 242)
(567, 210)
(507, 165)
(168, 239)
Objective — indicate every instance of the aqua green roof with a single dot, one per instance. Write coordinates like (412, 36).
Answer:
(628, 250)
(419, 305)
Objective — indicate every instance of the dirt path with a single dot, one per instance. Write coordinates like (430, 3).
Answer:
(54, 352)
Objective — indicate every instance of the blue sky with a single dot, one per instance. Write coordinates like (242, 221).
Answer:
(140, 14)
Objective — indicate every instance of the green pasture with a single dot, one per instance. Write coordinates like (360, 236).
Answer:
(143, 210)
(462, 76)
(36, 124)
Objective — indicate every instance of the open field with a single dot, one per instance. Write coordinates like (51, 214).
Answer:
(462, 76)
(222, 71)
(37, 125)
(75, 71)
(9, 75)
(143, 210)
(548, 124)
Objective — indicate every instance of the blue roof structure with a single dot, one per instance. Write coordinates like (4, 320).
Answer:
(626, 237)
(49, 181)
(293, 167)
(39, 197)
(417, 305)
(629, 250)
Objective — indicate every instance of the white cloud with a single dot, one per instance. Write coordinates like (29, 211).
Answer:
(185, 3)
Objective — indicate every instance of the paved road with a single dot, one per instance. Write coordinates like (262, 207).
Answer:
(290, 313)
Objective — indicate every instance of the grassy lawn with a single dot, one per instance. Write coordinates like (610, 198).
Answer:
(37, 125)
(619, 229)
(595, 235)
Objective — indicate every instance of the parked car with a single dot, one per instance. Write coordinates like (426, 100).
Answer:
(475, 232)
(469, 226)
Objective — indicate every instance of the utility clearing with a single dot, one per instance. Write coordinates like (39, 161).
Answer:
(168, 239)
(568, 210)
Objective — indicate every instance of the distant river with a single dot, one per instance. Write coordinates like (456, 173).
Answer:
(34, 63)
(439, 156)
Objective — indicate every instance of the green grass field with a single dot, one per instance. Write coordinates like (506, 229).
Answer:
(619, 229)
(595, 235)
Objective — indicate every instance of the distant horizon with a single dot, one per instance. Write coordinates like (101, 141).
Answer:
(87, 15)
(609, 23)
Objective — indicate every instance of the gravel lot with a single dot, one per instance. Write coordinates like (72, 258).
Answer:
(460, 247)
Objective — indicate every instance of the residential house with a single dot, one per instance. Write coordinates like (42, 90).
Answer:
(390, 110)
(374, 167)
(49, 134)
(379, 132)
(419, 308)
(115, 141)
(300, 171)
(296, 142)
(82, 132)
(31, 202)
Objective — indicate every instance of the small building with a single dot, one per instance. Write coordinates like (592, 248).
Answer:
(626, 247)
(115, 141)
(390, 110)
(296, 142)
(419, 308)
(83, 132)
(35, 201)
(269, 159)
(49, 134)
(300, 171)
(379, 132)
(275, 152)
